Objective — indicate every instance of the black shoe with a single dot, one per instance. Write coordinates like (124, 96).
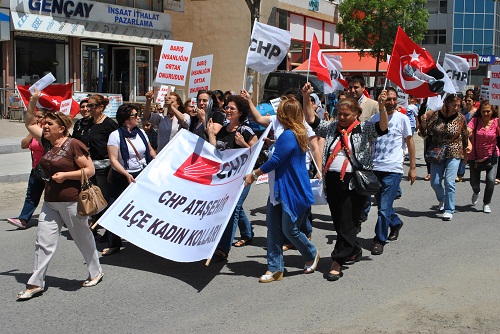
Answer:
(377, 248)
(395, 232)
(333, 277)
(355, 257)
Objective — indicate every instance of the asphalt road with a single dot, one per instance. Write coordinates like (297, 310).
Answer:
(439, 277)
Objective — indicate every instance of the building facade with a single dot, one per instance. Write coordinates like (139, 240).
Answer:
(465, 27)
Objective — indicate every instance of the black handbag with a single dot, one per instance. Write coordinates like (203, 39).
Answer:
(365, 181)
(39, 173)
(435, 154)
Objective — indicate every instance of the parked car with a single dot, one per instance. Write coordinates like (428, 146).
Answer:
(277, 83)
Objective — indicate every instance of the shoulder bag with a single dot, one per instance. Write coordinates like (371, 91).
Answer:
(90, 200)
(365, 181)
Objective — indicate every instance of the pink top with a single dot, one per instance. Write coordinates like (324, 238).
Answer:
(37, 151)
(486, 139)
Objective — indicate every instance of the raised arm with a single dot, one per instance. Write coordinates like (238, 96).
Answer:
(147, 108)
(30, 119)
(256, 116)
(25, 143)
(384, 119)
(309, 114)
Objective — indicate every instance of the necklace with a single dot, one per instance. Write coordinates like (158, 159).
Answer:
(100, 119)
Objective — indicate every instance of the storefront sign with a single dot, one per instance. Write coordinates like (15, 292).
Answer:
(91, 19)
(201, 72)
(487, 59)
(174, 62)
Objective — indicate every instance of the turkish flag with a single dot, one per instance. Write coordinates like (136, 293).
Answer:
(51, 97)
(318, 64)
(413, 69)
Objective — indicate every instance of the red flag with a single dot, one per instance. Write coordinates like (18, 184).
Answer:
(51, 97)
(318, 64)
(413, 69)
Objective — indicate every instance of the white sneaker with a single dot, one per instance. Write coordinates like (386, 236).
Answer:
(441, 206)
(474, 198)
(447, 216)
(486, 208)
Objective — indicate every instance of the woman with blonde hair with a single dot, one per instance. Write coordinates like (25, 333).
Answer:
(292, 191)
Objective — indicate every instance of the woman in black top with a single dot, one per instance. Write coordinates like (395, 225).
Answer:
(82, 126)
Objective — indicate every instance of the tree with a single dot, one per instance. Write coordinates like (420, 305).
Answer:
(371, 25)
(254, 6)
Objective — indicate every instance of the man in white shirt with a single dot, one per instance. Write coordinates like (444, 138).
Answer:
(388, 167)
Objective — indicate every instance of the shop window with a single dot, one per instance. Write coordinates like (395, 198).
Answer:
(155, 5)
(437, 6)
(35, 58)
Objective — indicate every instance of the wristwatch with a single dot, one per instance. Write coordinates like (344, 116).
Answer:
(254, 175)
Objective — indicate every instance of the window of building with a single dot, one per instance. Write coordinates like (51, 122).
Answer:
(469, 6)
(37, 57)
(459, 6)
(468, 20)
(479, 21)
(478, 36)
(435, 37)
(437, 6)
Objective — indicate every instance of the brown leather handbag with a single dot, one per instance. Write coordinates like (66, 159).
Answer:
(90, 200)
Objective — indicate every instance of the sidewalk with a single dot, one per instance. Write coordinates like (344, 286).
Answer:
(15, 163)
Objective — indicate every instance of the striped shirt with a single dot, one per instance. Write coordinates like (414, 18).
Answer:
(485, 144)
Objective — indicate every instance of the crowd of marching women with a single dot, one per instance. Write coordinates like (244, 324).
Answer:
(358, 149)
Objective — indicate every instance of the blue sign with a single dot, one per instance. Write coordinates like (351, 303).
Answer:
(487, 59)
(4, 17)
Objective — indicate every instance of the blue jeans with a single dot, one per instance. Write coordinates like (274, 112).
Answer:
(385, 200)
(461, 168)
(305, 227)
(446, 171)
(238, 218)
(33, 195)
(278, 221)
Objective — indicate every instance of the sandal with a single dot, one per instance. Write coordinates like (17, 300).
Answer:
(29, 293)
(242, 242)
(220, 255)
(93, 282)
(110, 250)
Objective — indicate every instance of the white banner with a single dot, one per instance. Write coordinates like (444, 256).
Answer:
(174, 62)
(200, 74)
(268, 47)
(494, 89)
(181, 203)
(448, 84)
(457, 69)
(335, 68)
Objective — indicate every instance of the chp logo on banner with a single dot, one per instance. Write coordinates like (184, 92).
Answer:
(414, 70)
(52, 97)
(268, 47)
(457, 69)
(200, 74)
(174, 62)
(494, 89)
(182, 201)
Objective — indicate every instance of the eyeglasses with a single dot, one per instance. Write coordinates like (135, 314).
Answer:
(134, 115)
(92, 105)
(230, 108)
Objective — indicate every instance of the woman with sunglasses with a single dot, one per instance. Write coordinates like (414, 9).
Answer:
(99, 133)
(235, 134)
(62, 163)
(35, 183)
(129, 151)
(449, 133)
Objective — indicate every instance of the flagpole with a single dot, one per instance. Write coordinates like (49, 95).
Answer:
(309, 61)
(439, 55)
(244, 77)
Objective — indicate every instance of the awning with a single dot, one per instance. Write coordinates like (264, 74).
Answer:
(352, 63)
(95, 30)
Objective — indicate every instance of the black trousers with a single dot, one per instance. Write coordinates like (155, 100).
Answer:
(346, 207)
(118, 184)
